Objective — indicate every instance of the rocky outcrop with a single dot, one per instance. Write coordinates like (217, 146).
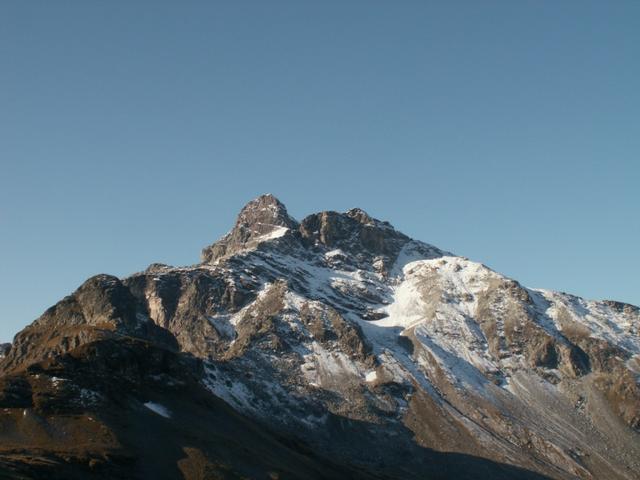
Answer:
(101, 308)
(354, 233)
(328, 327)
(260, 220)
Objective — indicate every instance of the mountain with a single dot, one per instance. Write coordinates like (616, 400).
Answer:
(334, 347)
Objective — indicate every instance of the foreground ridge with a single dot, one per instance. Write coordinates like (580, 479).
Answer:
(331, 347)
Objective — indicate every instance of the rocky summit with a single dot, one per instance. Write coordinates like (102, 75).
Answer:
(334, 347)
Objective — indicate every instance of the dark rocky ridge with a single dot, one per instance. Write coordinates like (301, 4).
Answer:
(274, 343)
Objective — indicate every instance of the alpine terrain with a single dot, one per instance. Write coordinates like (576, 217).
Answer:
(334, 347)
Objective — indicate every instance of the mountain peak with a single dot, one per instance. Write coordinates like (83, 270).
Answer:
(262, 218)
(263, 213)
(265, 219)
(360, 216)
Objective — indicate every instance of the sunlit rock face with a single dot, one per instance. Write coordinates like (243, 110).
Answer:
(333, 347)
(261, 220)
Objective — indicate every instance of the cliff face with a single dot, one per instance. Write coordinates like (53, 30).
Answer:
(333, 347)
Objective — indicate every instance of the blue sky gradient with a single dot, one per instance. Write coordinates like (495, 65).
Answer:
(133, 132)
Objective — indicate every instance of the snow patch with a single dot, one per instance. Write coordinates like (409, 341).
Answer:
(223, 325)
(232, 392)
(601, 321)
(275, 233)
(328, 369)
(158, 409)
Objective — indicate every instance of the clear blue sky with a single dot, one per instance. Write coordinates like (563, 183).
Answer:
(133, 132)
